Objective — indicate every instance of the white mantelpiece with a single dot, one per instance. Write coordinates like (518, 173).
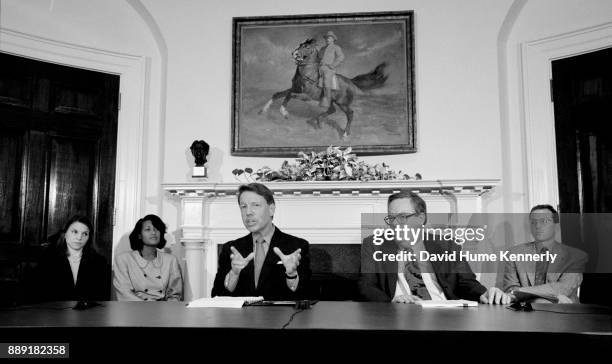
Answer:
(320, 212)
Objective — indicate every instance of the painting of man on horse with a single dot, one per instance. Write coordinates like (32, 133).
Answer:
(309, 82)
(349, 86)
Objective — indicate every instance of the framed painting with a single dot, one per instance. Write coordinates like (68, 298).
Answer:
(305, 82)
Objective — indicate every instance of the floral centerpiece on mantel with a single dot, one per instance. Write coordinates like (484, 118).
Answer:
(333, 164)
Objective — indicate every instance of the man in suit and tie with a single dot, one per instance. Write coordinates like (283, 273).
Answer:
(556, 281)
(266, 262)
(409, 282)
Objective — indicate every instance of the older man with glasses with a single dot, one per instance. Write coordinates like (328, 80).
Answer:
(414, 280)
(545, 281)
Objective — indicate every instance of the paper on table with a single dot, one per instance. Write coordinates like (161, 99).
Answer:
(223, 302)
(447, 303)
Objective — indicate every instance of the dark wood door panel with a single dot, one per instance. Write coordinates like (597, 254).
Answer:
(11, 162)
(15, 89)
(71, 180)
(33, 232)
(77, 92)
(77, 100)
(52, 123)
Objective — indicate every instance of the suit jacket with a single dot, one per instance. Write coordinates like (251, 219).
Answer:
(52, 279)
(378, 280)
(272, 281)
(563, 277)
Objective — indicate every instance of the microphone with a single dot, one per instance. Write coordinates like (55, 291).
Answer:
(302, 305)
(85, 304)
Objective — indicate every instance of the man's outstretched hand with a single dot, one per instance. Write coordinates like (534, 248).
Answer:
(238, 261)
(291, 261)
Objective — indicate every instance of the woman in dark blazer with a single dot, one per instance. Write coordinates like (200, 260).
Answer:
(71, 270)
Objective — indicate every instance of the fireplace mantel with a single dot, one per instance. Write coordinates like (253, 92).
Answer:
(327, 212)
(213, 189)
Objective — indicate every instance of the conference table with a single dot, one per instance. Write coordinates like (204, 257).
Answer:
(324, 322)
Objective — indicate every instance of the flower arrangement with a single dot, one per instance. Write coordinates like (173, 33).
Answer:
(333, 164)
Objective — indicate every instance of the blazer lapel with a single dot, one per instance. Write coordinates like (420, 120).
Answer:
(392, 282)
(245, 248)
(555, 269)
(66, 271)
(82, 270)
(390, 269)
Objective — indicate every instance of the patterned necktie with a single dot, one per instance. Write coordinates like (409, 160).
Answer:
(541, 269)
(260, 256)
(412, 272)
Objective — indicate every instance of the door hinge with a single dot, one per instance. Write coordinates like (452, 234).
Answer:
(119, 102)
(114, 216)
(552, 99)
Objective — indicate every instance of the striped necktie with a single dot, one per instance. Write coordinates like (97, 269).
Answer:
(413, 275)
(541, 269)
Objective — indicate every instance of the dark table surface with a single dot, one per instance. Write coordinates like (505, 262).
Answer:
(494, 318)
(585, 319)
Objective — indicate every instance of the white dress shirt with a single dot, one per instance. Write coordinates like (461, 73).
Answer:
(74, 258)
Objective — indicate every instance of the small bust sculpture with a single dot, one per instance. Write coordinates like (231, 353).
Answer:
(199, 149)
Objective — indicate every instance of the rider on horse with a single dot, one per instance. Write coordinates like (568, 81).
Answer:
(330, 56)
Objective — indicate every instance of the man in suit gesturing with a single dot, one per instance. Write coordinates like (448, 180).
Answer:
(266, 262)
(408, 282)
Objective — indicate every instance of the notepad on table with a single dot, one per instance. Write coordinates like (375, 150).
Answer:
(447, 303)
(223, 302)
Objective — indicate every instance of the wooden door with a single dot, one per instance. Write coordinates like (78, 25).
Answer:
(58, 136)
(582, 90)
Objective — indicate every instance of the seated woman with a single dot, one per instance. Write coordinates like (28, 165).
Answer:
(71, 270)
(147, 273)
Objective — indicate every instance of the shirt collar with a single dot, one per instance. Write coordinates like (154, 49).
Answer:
(418, 246)
(554, 248)
(267, 238)
(142, 262)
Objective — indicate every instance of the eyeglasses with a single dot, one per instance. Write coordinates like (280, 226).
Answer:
(541, 221)
(399, 218)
